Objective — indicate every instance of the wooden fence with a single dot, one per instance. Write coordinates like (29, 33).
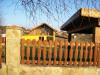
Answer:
(0, 50)
(60, 53)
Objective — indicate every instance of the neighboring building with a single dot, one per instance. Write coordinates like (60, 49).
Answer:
(41, 32)
(86, 23)
(44, 32)
(61, 35)
(82, 37)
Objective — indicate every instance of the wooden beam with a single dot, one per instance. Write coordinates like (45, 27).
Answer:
(80, 29)
(90, 13)
(83, 12)
(72, 18)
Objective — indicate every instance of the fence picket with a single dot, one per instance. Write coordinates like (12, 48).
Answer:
(86, 53)
(28, 52)
(60, 53)
(81, 54)
(39, 52)
(33, 51)
(71, 53)
(66, 53)
(44, 52)
(50, 53)
(76, 53)
(90, 53)
(22, 51)
(55, 52)
(95, 55)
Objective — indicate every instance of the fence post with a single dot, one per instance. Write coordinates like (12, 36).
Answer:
(13, 37)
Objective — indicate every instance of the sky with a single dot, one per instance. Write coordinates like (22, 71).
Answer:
(14, 14)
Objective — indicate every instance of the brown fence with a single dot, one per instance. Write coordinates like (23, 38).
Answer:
(0, 50)
(59, 53)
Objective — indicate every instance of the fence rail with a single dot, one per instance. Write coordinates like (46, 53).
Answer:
(60, 53)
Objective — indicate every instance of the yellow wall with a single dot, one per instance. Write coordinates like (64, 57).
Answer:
(35, 37)
(31, 37)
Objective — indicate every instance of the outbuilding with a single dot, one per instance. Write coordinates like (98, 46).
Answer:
(85, 21)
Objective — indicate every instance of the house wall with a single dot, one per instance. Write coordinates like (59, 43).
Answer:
(82, 37)
(42, 31)
(59, 38)
(34, 37)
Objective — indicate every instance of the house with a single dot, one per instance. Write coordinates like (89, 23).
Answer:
(44, 32)
(41, 32)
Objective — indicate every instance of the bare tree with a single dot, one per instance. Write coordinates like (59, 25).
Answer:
(55, 8)
(50, 8)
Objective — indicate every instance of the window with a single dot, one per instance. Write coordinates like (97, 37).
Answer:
(41, 38)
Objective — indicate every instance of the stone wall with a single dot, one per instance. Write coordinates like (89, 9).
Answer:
(39, 70)
(3, 70)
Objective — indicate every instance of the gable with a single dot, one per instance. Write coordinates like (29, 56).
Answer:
(43, 29)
